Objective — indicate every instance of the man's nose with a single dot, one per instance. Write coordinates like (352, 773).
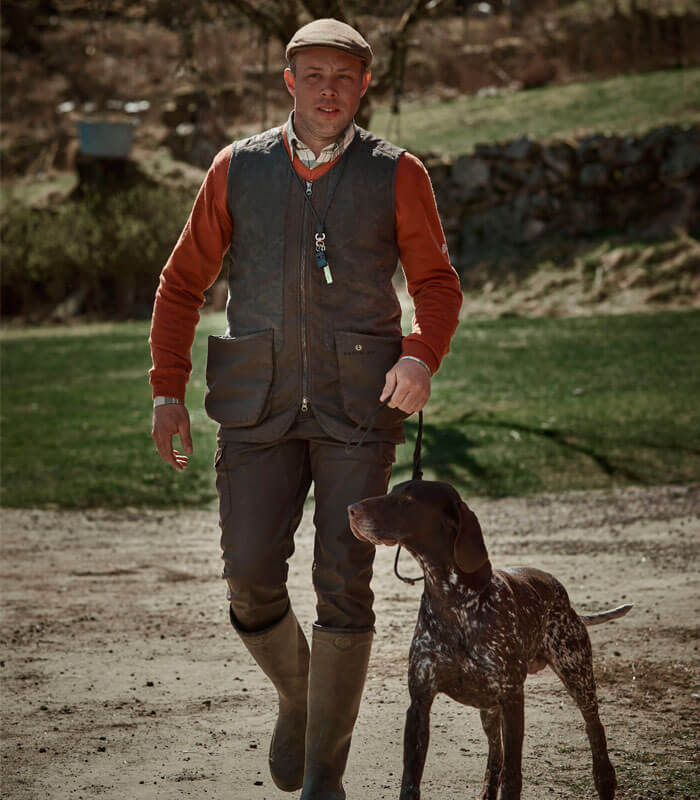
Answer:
(329, 88)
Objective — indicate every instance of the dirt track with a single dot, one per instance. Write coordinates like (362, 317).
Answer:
(122, 678)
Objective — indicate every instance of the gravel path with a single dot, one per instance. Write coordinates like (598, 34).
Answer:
(122, 678)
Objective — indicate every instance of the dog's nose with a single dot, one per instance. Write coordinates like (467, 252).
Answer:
(353, 510)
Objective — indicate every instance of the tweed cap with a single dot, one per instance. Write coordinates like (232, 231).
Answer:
(330, 33)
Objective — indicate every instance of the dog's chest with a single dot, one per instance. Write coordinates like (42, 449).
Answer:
(468, 652)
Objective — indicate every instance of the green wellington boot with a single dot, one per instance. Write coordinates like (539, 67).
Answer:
(282, 653)
(336, 679)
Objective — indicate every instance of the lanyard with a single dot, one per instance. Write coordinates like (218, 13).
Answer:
(320, 234)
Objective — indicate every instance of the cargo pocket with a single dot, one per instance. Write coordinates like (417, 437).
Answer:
(363, 361)
(239, 377)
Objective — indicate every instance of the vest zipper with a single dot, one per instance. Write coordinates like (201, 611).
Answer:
(302, 297)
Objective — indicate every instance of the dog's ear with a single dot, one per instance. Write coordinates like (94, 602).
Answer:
(469, 548)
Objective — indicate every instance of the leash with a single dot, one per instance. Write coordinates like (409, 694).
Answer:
(417, 476)
(368, 424)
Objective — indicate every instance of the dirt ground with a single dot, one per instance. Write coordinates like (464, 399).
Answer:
(122, 678)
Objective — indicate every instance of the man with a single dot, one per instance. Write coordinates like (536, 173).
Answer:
(315, 216)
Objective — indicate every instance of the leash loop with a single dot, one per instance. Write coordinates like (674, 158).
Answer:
(368, 424)
(417, 476)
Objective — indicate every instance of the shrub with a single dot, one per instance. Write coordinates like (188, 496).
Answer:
(106, 248)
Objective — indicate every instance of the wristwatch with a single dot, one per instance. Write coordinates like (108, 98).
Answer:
(418, 361)
(167, 401)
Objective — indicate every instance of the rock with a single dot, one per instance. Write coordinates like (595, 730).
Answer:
(630, 152)
(598, 148)
(593, 176)
(588, 149)
(683, 157)
(472, 177)
(533, 229)
(635, 175)
(585, 216)
(559, 158)
(536, 177)
(521, 149)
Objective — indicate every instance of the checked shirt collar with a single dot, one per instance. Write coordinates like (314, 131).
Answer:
(329, 153)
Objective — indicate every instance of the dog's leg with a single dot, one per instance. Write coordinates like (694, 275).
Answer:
(513, 727)
(415, 741)
(491, 721)
(569, 654)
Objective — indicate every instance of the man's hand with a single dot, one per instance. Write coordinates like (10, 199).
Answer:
(407, 386)
(168, 421)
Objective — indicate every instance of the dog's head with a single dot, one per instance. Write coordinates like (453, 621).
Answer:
(428, 518)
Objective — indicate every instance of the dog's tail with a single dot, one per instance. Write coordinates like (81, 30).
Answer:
(605, 616)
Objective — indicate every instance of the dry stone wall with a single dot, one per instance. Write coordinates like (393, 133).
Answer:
(509, 197)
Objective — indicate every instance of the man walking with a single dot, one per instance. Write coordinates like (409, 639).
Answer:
(313, 217)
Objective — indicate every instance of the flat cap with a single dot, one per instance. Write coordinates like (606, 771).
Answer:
(330, 33)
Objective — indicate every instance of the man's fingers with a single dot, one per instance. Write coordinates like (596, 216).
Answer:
(186, 436)
(389, 385)
(164, 445)
(180, 459)
(398, 396)
(411, 386)
(170, 420)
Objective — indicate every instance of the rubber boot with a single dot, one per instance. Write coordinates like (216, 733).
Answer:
(336, 678)
(282, 653)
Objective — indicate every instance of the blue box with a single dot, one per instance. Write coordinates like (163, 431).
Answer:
(106, 139)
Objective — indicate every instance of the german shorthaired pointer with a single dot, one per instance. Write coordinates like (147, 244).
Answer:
(480, 632)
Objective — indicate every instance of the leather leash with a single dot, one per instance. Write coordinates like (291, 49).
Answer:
(368, 424)
(417, 476)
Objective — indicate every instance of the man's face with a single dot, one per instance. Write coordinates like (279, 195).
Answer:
(326, 89)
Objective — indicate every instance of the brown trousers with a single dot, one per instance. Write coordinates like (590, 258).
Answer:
(262, 489)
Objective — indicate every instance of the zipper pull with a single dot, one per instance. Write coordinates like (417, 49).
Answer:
(309, 186)
(304, 404)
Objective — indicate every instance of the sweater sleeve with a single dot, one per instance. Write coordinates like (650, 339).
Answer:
(191, 269)
(431, 280)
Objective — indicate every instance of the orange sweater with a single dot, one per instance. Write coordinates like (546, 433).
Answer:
(195, 263)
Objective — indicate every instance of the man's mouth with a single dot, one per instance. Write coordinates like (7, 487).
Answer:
(329, 109)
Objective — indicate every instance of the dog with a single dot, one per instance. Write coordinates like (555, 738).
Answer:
(480, 632)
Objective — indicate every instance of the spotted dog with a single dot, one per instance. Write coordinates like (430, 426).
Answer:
(480, 632)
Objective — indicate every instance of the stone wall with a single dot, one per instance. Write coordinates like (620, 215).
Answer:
(508, 198)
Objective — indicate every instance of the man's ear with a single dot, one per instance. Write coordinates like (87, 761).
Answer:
(469, 548)
(365, 82)
(290, 82)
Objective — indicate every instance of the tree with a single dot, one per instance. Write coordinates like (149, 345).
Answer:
(280, 20)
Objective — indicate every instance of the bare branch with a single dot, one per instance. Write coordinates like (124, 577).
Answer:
(392, 77)
(325, 8)
(281, 26)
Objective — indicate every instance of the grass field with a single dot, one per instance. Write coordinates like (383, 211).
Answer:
(625, 104)
(520, 406)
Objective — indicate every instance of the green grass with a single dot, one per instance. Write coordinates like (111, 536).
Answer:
(520, 406)
(76, 420)
(536, 405)
(626, 104)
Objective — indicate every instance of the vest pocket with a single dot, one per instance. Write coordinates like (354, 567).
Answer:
(363, 361)
(239, 376)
